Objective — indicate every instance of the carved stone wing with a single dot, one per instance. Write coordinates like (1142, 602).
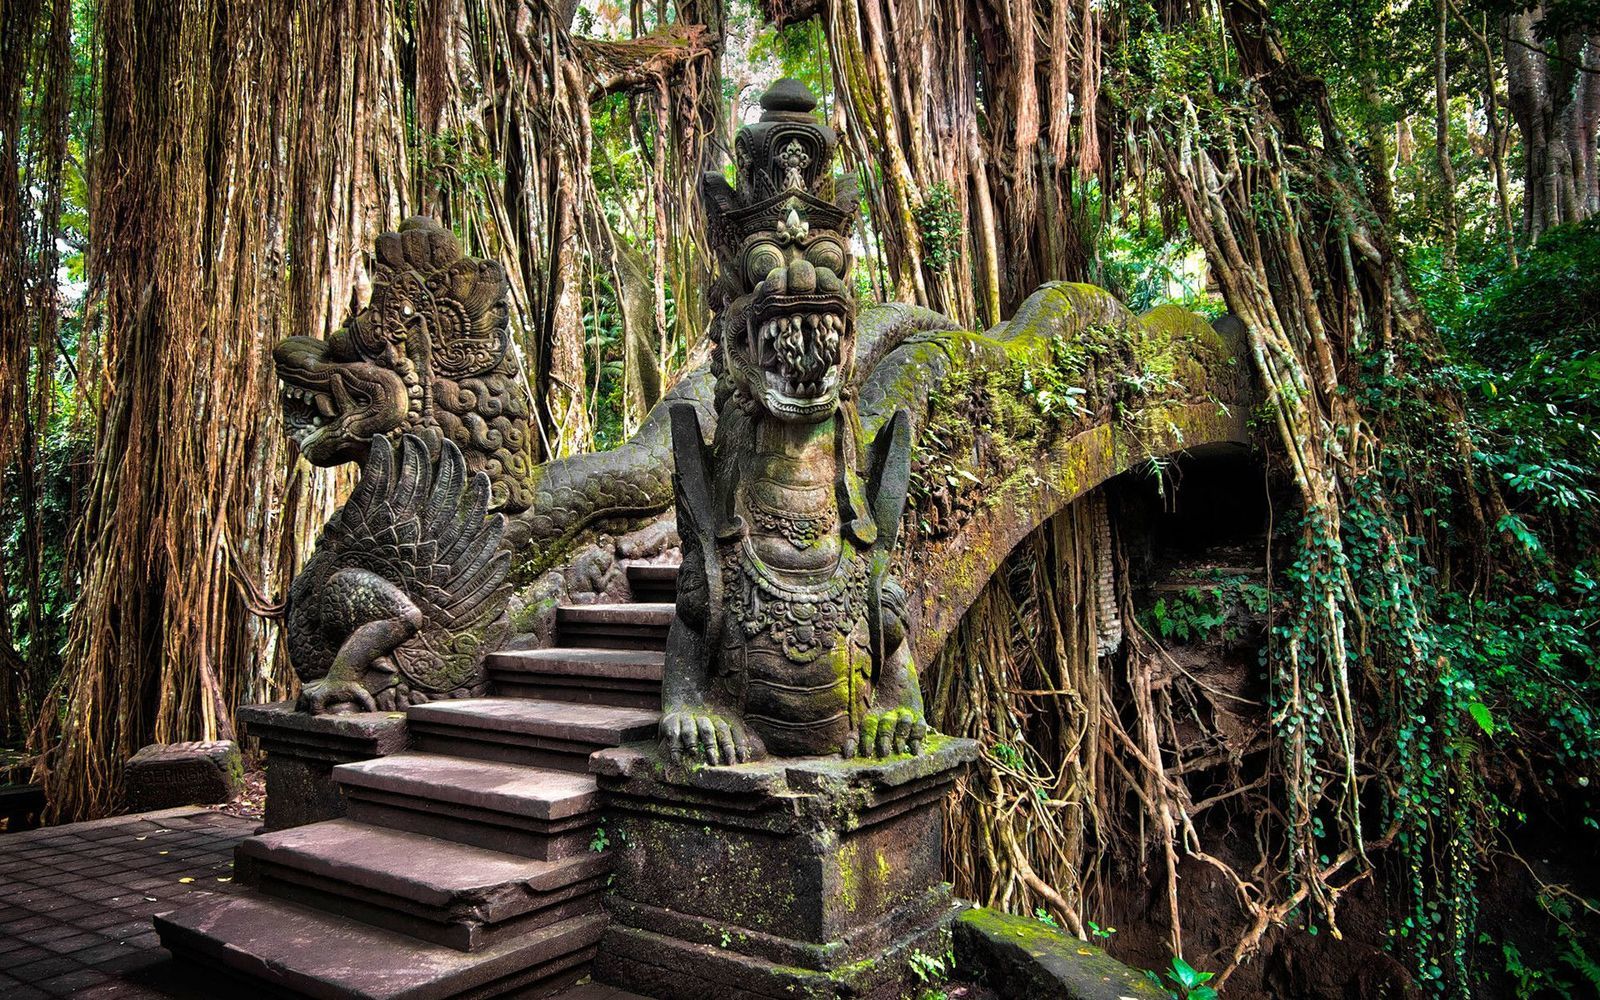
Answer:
(424, 528)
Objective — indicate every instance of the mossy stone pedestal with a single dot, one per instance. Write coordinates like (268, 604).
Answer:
(798, 877)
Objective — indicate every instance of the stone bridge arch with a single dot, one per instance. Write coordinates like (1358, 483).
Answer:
(1015, 423)
(1010, 426)
(943, 577)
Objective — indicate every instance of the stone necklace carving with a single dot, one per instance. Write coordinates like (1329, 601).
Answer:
(798, 528)
(803, 619)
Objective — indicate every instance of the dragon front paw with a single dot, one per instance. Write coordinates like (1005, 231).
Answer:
(885, 734)
(325, 696)
(703, 735)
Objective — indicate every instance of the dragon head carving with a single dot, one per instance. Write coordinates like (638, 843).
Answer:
(785, 305)
(429, 355)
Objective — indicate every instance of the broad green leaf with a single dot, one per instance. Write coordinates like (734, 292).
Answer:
(1482, 716)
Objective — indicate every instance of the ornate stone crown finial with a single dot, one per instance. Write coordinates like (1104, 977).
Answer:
(783, 299)
(788, 96)
(782, 161)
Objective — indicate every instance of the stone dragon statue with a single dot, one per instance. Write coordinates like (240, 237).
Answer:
(788, 638)
(793, 635)
(406, 590)
(429, 355)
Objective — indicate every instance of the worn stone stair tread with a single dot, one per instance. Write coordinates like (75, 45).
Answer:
(656, 613)
(536, 792)
(653, 581)
(423, 869)
(611, 664)
(309, 953)
(606, 724)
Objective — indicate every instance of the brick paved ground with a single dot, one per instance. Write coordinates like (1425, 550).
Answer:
(76, 901)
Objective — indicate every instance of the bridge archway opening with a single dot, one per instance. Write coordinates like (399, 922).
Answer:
(1047, 670)
(1215, 499)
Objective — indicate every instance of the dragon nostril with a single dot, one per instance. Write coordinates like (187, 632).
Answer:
(802, 276)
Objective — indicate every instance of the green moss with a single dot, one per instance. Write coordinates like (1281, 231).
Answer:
(849, 877)
(1032, 934)
(234, 766)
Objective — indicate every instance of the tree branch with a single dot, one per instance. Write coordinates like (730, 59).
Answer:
(634, 65)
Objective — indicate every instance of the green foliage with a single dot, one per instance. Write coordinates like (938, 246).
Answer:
(1145, 267)
(1171, 72)
(929, 968)
(938, 220)
(602, 337)
(799, 49)
(63, 457)
(1198, 613)
(1007, 755)
(1495, 673)
(1186, 982)
(1523, 350)
(1576, 966)
(1054, 384)
(459, 161)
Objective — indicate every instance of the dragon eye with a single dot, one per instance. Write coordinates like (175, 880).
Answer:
(827, 253)
(761, 260)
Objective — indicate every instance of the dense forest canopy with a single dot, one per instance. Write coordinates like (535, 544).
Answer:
(1395, 199)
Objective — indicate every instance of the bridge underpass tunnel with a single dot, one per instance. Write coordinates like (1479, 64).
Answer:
(1194, 537)
(1194, 534)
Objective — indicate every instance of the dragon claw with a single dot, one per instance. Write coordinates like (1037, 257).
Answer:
(327, 695)
(887, 734)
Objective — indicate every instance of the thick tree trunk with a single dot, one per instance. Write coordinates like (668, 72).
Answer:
(1499, 131)
(1441, 143)
(230, 214)
(1555, 100)
(994, 101)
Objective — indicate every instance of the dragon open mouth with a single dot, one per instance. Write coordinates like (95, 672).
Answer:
(306, 412)
(333, 406)
(794, 343)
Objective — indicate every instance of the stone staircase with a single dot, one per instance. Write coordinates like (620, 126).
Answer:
(463, 867)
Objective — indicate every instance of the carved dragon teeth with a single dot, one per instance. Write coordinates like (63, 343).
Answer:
(799, 352)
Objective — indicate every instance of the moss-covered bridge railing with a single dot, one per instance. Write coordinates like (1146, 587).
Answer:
(1010, 425)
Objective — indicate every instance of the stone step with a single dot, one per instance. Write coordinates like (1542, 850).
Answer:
(532, 731)
(614, 626)
(457, 895)
(629, 678)
(292, 950)
(653, 583)
(532, 812)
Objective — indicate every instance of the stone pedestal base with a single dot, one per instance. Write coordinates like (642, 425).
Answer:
(810, 877)
(302, 749)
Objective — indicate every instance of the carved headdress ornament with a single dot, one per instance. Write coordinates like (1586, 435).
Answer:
(783, 171)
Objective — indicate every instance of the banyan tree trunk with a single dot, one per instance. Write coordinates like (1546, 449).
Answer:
(234, 138)
(1555, 100)
(974, 156)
